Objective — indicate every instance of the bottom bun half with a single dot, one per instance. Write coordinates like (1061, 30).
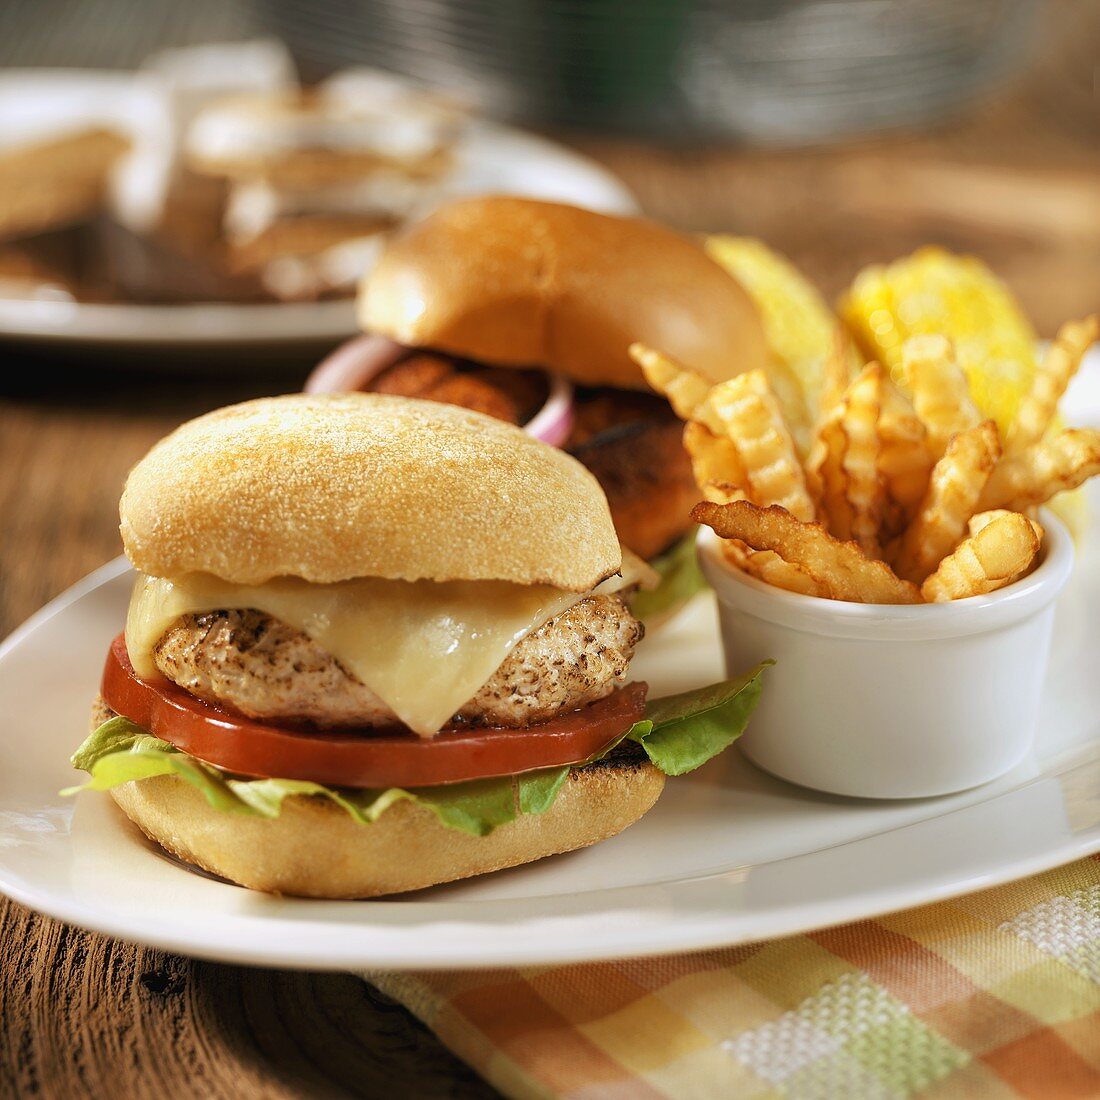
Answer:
(314, 849)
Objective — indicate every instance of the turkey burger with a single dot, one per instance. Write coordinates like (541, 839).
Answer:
(375, 644)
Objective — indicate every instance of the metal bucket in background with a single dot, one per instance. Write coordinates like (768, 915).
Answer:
(773, 71)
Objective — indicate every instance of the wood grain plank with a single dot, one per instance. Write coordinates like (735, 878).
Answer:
(86, 1016)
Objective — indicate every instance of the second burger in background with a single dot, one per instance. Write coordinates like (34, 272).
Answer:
(525, 310)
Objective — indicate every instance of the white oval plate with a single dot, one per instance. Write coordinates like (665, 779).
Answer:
(729, 855)
(491, 159)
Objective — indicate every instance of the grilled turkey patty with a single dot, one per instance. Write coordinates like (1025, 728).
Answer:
(264, 668)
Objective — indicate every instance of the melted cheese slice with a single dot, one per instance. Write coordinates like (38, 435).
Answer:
(423, 648)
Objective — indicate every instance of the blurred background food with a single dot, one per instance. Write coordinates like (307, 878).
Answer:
(211, 173)
(258, 169)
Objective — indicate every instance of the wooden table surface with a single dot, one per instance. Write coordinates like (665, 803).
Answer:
(83, 1016)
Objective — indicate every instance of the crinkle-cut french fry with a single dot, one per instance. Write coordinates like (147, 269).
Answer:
(1059, 365)
(1035, 474)
(981, 520)
(686, 389)
(769, 567)
(714, 459)
(754, 423)
(863, 486)
(951, 499)
(903, 458)
(840, 568)
(818, 450)
(837, 372)
(722, 492)
(825, 473)
(791, 400)
(842, 469)
(798, 326)
(832, 461)
(1002, 550)
(735, 552)
(941, 393)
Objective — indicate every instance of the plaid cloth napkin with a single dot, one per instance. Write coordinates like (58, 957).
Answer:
(993, 995)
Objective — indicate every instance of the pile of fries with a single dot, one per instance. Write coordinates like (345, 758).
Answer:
(900, 498)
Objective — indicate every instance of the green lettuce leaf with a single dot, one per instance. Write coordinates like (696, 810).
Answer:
(120, 751)
(681, 578)
(682, 732)
(678, 734)
(539, 790)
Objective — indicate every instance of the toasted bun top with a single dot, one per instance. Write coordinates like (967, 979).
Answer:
(516, 282)
(332, 487)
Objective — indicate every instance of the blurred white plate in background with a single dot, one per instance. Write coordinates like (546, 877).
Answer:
(490, 159)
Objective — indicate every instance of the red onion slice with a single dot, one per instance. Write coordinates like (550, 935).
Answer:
(554, 421)
(353, 364)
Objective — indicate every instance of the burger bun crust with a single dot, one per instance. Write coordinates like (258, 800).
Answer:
(331, 487)
(518, 282)
(315, 849)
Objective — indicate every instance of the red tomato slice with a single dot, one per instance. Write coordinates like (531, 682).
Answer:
(364, 758)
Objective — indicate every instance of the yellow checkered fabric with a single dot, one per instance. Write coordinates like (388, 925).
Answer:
(993, 995)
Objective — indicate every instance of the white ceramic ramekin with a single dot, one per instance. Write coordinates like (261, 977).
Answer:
(892, 702)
